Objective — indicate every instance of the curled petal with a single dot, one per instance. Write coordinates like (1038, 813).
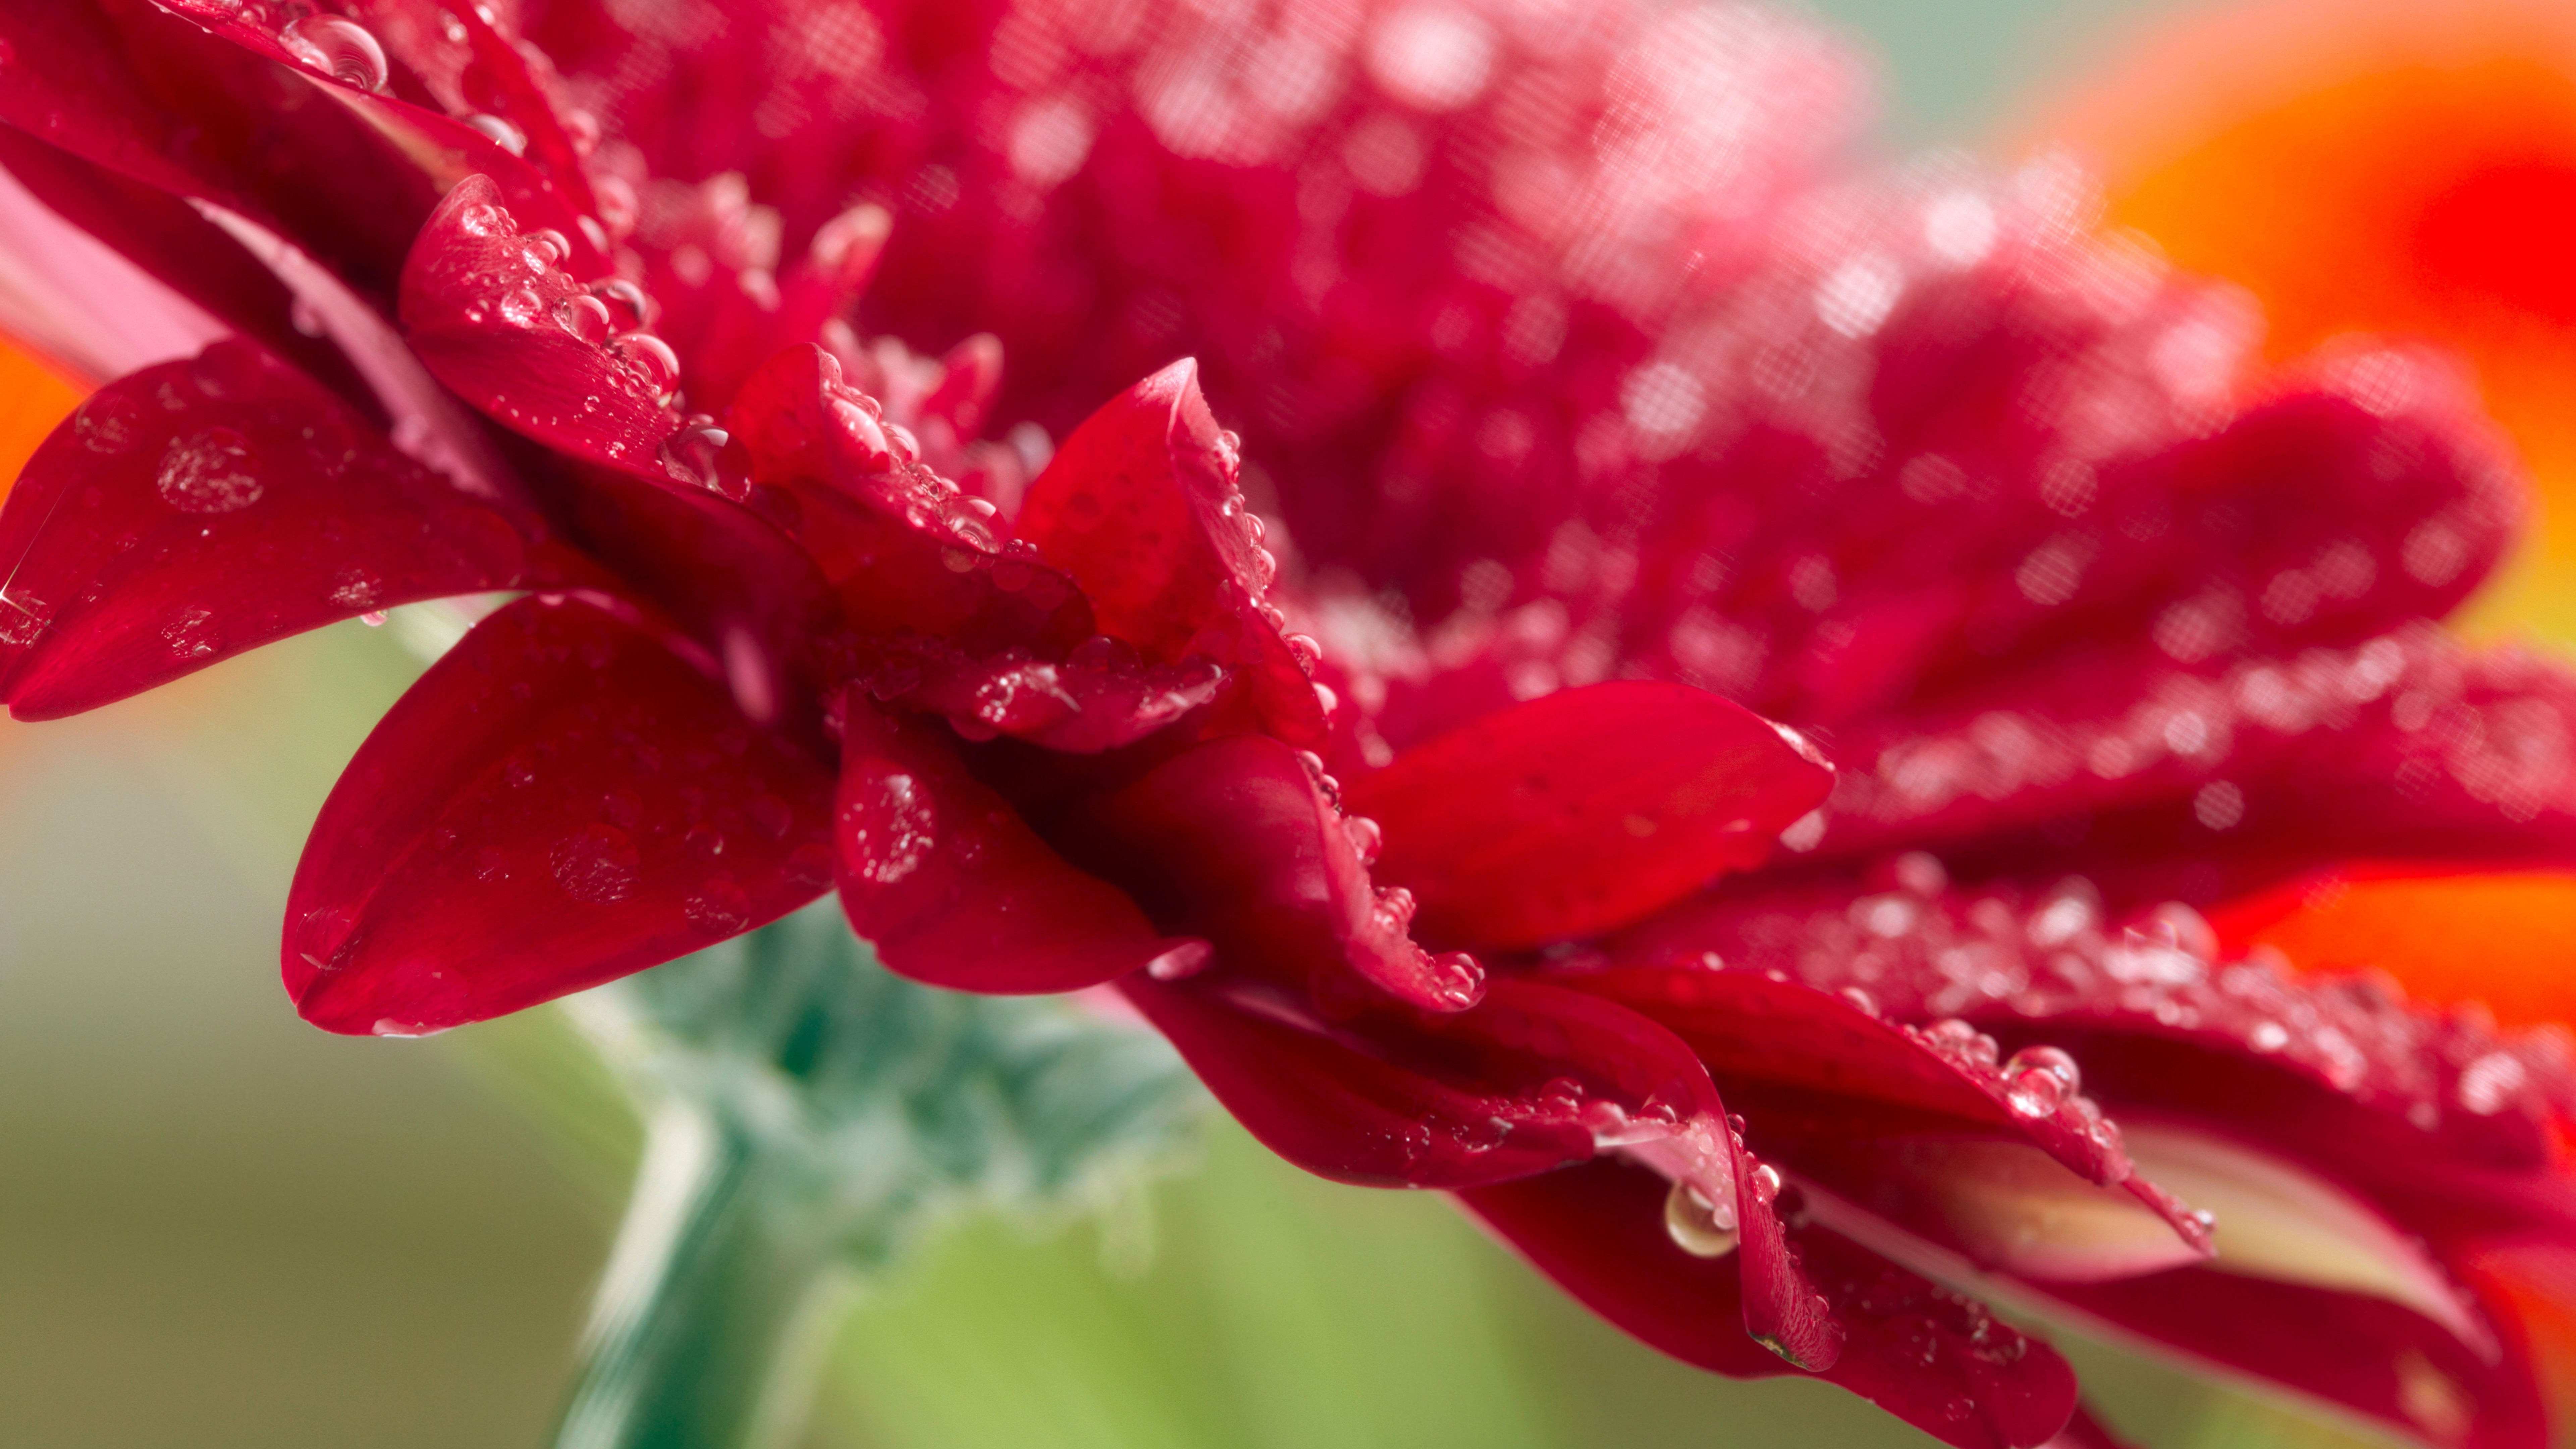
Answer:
(1585, 809)
(197, 509)
(1141, 507)
(953, 889)
(1236, 840)
(493, 314)
(559, 801)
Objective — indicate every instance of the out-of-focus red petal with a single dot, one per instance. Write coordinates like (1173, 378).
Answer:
(953, 888)
(494, 315)
(559, 801)
(1584, 809)
(2359, 1353)
(1235, 840)
(1140, 506)
(1928, 1356)
(197, 509)
(2196, 786)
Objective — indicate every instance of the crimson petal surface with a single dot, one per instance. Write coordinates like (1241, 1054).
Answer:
(559, 801)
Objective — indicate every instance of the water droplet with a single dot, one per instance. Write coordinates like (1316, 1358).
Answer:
(625, 301)
(520, 306)
(339, 48)
(306, 319)
(486, 220)
(584, 316)
(1766, 1184)
(651, 359)
(551, 243)
(1307, 651)
(108, 423)
(355, 588)
(1860, 1000)
(374, 618)
(1185, 960)
(596, 864)
(719, 908)
(2038, 1079)
(192, 633)
(809, 865)
(1457, 981)
(500, 133)
(208, 471)
(1695, 1225)
(1366, 837)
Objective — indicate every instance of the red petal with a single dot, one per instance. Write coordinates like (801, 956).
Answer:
(1235, 841)
(2361, 1354)
(1836, 1093)
(198, 509)
(491, 314)
(1925, 1355)
(558, 802)
(1531, 1080)
(1584, 809)
(1140, 506)
(942, 875)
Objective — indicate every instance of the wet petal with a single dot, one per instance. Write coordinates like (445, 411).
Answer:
(198, 509)
(559, 801)
(1930, 1357)
(491, 311)
(1237, 840)
(1585, 809)
(954, 889)
(2361, 1354)
(1530, 1080)
(1140, 506)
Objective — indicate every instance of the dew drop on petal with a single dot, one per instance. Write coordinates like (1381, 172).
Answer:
(651, 358)
(1694, 1224)
(584, 316)
(339, 48)
(208, 471)
(192, 633)
(500, 132)
(596, 864)
(108, 424)
(520, 306)
(719, 908)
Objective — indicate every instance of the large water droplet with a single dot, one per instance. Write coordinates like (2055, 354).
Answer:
(208, 471)
(2038, 1079)
(651, 359)
(1695, 1225)
(520, 306)
(626, 303)
(339, 48)
(584, 316)
(500, 132)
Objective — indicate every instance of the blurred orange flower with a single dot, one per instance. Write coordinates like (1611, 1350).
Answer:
(32, 399)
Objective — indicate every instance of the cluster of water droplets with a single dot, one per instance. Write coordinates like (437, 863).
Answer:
(525, 287)
(1941, 960)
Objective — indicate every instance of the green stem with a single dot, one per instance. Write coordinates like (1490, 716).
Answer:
(711, 1321)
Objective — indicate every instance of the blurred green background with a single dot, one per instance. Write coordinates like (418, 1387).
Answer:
(219, 1228)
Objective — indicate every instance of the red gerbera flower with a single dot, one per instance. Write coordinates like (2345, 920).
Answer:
(1597, 425)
